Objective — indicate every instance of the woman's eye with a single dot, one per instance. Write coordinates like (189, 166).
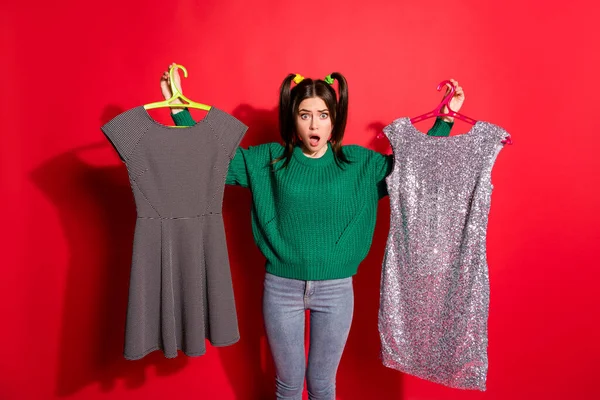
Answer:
(304, 116)
(324, 116)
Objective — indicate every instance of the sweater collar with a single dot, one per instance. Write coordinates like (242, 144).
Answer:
(325, 159)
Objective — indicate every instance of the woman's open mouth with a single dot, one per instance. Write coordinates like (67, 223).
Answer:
(314, 140)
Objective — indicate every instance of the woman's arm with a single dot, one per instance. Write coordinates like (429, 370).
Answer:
(440, 128)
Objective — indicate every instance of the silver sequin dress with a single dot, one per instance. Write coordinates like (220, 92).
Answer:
(434, 285)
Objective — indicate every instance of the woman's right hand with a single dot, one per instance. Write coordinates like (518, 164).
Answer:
(165, 86)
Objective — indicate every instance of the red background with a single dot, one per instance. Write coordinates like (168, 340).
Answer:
(68, 67)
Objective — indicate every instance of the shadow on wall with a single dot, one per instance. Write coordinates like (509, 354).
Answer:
(97, 213)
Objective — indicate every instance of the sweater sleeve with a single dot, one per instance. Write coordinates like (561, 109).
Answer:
(440, 128)
(183, 118)
(385, 163)
(237, 174)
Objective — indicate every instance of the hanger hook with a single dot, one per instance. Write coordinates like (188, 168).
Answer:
(175, 91)
(446, 100)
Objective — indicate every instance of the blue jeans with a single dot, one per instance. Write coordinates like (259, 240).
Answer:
(331, 304)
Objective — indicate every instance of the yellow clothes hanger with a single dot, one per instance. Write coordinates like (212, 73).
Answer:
(177, 94)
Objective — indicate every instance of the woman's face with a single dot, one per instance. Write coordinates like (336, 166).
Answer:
(313, 126)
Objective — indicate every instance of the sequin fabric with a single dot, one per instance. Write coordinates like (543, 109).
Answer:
(434, 286)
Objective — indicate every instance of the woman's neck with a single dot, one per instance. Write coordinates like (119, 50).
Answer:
(316, 154)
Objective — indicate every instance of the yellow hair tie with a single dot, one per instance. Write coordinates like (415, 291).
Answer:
(298, 78)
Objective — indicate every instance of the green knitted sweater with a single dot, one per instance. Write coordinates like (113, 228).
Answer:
(312, 220)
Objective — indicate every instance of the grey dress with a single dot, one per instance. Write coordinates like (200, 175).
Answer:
(434, 285)
(180, 289)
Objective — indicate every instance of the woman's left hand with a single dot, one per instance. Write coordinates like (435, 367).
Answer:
(456, 101)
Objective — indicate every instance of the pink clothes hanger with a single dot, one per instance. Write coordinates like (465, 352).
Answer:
(437, 112)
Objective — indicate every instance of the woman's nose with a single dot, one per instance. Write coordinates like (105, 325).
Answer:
(314, 123)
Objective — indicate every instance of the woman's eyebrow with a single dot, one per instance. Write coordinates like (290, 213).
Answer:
(305, 110)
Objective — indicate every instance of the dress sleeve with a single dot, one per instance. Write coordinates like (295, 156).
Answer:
(228, 129)
(384, 164)
(237, 174)
(124, 132)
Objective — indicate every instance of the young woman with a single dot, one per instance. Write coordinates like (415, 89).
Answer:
(313, 218)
